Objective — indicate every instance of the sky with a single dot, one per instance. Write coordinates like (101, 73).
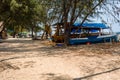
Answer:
(116, 27)
(110, 17)
(109, 14)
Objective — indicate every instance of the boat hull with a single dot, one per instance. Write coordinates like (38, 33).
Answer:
(94, 39)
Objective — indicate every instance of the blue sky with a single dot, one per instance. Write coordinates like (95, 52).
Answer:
(112, 15)
(109, 15)
(115, 27)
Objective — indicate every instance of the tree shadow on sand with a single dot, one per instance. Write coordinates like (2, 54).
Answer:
(19, 41)
(28, 46)
(23, 47)
(10, 58)
(31, 46)
(96, 74)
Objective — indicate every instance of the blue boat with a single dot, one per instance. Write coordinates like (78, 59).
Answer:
(91, 33)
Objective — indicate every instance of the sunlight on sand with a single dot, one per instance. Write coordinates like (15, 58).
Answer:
(24, 59)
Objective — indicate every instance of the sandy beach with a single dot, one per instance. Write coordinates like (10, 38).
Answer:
(24, 59)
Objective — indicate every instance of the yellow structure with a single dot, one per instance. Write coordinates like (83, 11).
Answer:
(58, 37)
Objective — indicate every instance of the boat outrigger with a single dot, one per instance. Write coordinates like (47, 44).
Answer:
(87, 33)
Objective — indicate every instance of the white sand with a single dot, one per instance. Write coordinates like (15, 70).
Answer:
(23, 59)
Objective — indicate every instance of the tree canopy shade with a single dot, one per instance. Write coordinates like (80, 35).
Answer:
(30, 13)
(24, 13)
(82, 10)
(71, 10)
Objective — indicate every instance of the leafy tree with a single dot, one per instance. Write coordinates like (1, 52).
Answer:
(65, 11)
(17, 13)
(30, 13)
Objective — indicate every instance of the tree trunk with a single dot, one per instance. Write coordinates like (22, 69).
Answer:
(66, 24)
(42, 35)
(14, 34)
(32, 32)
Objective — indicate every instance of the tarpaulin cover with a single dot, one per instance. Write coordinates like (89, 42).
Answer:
(91, 25)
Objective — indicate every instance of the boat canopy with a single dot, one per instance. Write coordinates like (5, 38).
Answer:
(91, 25)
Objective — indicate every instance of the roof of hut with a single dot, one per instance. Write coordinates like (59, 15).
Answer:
(91, 25)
